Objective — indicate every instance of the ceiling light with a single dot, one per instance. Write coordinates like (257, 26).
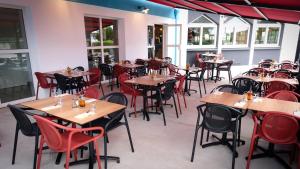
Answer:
(143, 9)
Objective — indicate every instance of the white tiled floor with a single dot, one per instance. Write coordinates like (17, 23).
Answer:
(156, 146)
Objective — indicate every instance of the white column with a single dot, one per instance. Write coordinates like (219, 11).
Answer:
(220, 33)
(252, 42)
(289, 42)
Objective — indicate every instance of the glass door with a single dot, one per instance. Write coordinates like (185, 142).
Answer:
(15, 69)
(173, 42)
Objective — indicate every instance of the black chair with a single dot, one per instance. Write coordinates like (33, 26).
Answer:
(234, 90)
(283, 73)
(224, 67)
(79, 81)
(199, 76)
(140, 62)
(164, 93)
(113, 121)
(27, 128)
(65, 84)
(265, 64)
(107, 71)
(246, 84)
(218, 119)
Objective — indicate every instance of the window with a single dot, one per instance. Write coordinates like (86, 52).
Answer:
(150, 41)
(236, 33)
(267, 34)
(202, 33)
(101, 40)
(15, 68)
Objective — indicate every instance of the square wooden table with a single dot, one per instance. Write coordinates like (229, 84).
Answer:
(270, 79)
(148, 82)
(79, 115)
(259, 104)
(72, 74)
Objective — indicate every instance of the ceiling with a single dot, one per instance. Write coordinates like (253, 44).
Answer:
(287, 11)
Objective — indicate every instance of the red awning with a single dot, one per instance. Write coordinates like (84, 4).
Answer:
(274, 10)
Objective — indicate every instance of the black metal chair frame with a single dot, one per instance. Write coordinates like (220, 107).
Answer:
(199, 77)
(65, 84)
(107, 71)
(224, 140)
(228, 69)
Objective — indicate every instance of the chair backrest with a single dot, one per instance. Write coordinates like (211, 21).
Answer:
(286, 66)
(118, 98)
(172, 69)
(52, 136)
(23, 121)
(181, 82)
(226, 88)
(62, 82)
(256, 71)
(126, 62)
(246, 84)
(279, 128)
(265, 64)
(154, 64)
(217, 118)
(282, 73)
(42, 79)
(80, 68)
(277, 86)
(228, 64)
(168, 60)
(168, 89)
(92, 92)
(125, 87)
(141, 71)
(140, 61)
(199, 61)
(267, 60)
(118, 70)
(95, 76)
(106, 69)
(284, 95)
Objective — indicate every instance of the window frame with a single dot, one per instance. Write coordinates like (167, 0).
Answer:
(268, 26)
(201, 26)
(234, 45)
(102, 47)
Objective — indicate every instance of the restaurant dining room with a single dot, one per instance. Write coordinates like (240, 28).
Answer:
(150, 84)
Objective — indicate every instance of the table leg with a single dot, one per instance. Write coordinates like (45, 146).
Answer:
(145, 113)
(186, 83)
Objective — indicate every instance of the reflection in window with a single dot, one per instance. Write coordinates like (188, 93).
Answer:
(228, 38)
(150, 36)
(236, 32)
(260, 35)
(202, 32)
(110, 32)
(12, 31)
(111, 55)
(92, 31)
(208, 36)
(193, 36)
(273, 34)
(94, 57)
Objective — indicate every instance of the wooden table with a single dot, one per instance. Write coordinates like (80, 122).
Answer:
(270, 79)
(73, 73)
(148, 82)
(131, 65)
(187, 73)
(76, 115)
(214, 64)
(261, 104)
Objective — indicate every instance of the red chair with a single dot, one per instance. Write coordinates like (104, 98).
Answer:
(273, 86)
(154, 65)
(69, 140)
(117, 71)
(286, 65)
(43, 83)
(129, 89)
(173, 70)
(276, 128)
(180, 90)
(92, 92)
(284, 95)
(95, 78)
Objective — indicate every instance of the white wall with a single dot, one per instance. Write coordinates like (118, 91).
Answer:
(56, 34)
(289, 42)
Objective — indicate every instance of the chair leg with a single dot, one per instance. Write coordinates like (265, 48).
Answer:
(68, 158)
(251, 149)
(204, 86)
(37, 91)
(207, 136)
(175, 106)
(105, 150)
(128, 132)
(134, 104)
(35, 150)
(183, 95)
(199, 88)
(178, 102)
(97, 153)
(195, 137)
(234, 149)
(131, 101)
(15, 144)
(101, 87)
(40, 153)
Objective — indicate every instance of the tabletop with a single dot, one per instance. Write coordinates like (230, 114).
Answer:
(218, 61)
(150, 80)
(269, 79)
(79, 115)
(73, 73)
(258, 104)
(131, 65)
